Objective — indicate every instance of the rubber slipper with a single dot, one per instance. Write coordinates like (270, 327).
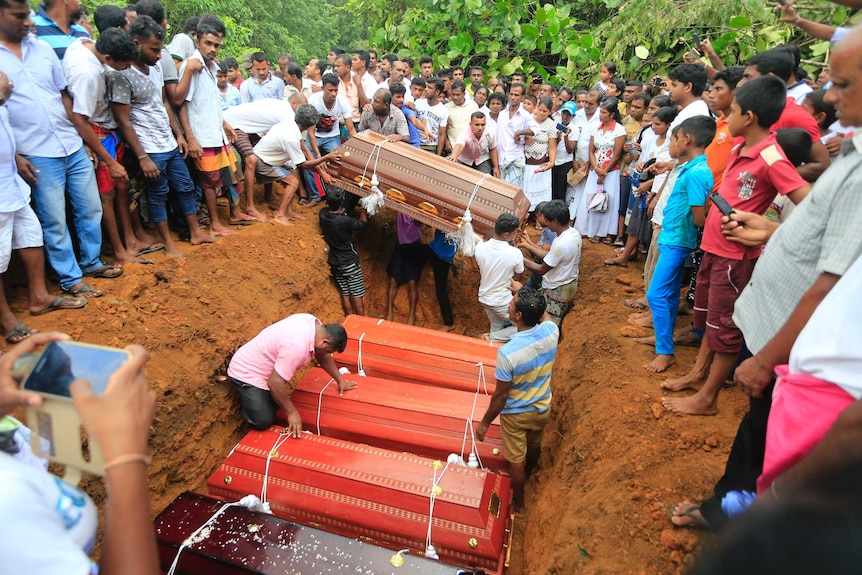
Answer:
(700, 522)
(84, 289)
(62, 302)
(594, 240)
(19, 333)
(611, 263)
(242, 222)
(105, 271)
(153, 247)
(635, 304)
(144, 261)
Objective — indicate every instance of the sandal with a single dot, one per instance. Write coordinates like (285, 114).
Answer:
(303, 201)
(84, 290)
(19, 333)
(105, 271)
(60, 303)
(607, 240)
(594, 240)
(635, 304)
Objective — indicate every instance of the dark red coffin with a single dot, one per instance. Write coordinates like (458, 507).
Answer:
(240, 541)
(403, 352)
(419, 419)
(374, 494)
(424, 177)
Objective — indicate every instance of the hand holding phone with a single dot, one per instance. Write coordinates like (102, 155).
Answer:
(562, 127)
(62, 362)
(722, 204)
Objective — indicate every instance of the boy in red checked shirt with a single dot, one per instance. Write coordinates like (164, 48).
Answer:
(756, 171)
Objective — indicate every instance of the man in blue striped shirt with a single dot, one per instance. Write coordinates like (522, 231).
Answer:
(54, 25)
(522, 398)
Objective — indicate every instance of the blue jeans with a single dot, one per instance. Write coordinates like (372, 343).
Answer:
(174, 174)
(663, 294)
(71, 179)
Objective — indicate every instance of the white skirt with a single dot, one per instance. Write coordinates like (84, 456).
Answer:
(577, 201)
(601, 225)
(536, 186)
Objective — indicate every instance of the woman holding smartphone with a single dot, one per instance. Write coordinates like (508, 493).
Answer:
(55, 523)
(606, 149)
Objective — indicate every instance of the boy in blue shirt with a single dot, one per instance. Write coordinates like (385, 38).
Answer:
(683, 214)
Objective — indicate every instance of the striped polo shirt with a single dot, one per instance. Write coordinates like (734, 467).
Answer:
(48, 31)
(526, 361)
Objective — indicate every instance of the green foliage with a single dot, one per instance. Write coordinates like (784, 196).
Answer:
(570, 40)
(305, 29)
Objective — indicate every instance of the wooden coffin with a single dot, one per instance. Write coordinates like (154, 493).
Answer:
(422, 177)
(240, 541)
(392, 350)
(374, 494)
(419, 419)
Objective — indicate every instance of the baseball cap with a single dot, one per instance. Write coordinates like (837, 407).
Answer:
(569, 107)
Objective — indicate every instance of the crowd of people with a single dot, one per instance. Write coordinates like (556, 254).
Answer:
(124, 144)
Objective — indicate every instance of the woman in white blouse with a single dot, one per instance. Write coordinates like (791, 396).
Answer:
(606, 148)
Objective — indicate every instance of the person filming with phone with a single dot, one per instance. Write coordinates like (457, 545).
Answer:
(53, 525)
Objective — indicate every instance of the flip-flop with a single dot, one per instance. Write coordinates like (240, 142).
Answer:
(700, 522)
(611, 263)
(144, 261)
(690, 339)
(153, 247)
(242, 222)
(85, 288)
(105, 271)
(62, 302)
(19, 333)
(635, 304)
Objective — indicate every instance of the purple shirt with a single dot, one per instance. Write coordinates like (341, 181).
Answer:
(409, 230)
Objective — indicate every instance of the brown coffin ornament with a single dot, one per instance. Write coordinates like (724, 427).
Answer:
(393, 350)
(435, 191)
(411, 417)
(241, 541)
(376, 495)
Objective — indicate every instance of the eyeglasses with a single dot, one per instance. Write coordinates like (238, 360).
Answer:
(663, 84)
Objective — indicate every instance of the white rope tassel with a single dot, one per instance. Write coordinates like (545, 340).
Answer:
(249, 501)
(473, 460)
(320, 402)
(464, 237)
(360, 371)
(373, 201)
(430, 551)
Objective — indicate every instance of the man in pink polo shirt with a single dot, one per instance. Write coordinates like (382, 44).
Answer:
(261, 369)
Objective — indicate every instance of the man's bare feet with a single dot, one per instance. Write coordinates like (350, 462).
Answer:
(273, 205)
(687, 514)
(690, 380)
(445, 327)
(640, 315)
(221, 232)
(692, 405)
(649, 340)
(283, 220)
(294, 216)
(642, 322)
(202, 238)
(252, 211)
(661, 363)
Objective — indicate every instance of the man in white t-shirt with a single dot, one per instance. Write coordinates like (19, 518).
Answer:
(434, 116)
(560, 265)
(85, 65)
(332, 107)
(498, 262)
(280, 152)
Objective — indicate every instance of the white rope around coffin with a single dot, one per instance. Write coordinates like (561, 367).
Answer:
(373, 201)
(249, 502)
(464, 237)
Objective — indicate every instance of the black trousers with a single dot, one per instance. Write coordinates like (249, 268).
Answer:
(258, 406)
(745, 462)
(441, 283)
(558, 181)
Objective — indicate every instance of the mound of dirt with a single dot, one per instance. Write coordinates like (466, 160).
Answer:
(613, 463)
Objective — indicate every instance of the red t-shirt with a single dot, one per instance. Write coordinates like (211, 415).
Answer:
(750, 183)
(795, 116)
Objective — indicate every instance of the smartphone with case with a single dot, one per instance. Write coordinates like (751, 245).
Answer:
(56, 420)
(562, 127)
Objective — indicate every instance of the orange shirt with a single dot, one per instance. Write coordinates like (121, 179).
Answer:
(718, 152)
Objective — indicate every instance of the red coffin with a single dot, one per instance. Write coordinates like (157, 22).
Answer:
(240, 541)
(411, 417)
(403, 352)
(421, 177)
(373, 494)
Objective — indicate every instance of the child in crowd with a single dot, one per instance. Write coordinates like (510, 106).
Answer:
(756, 171)
(796, 144)
(337, 228)
(683, 214)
